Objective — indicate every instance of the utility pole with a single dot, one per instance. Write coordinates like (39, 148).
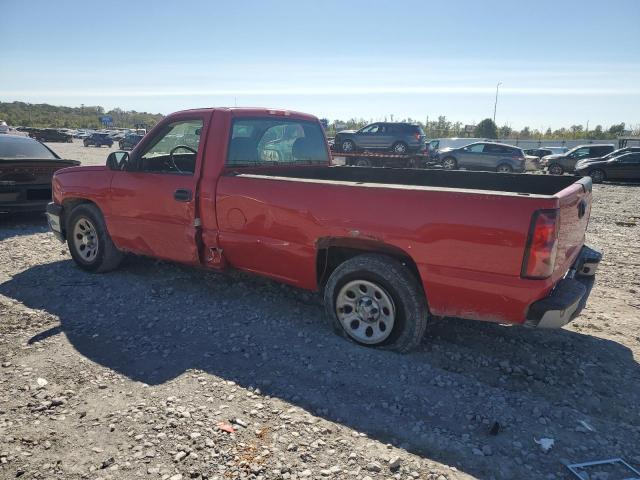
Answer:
(495, 106)
(586, 133)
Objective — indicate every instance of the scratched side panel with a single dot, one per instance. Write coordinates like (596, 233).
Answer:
(468, 247)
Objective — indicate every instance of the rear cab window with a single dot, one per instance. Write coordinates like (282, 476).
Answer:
(274, 141)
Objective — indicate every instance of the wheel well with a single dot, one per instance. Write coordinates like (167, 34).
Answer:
(69, 204)
(332, 253)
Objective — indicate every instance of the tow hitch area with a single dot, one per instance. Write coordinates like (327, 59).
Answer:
(570, 295)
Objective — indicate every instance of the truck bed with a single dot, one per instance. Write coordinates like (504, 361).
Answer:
(519, 184)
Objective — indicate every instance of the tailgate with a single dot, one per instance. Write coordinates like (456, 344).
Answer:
(574, 204)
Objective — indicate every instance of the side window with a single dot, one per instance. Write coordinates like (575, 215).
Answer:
(477, 148)
(371, 128)
(581, 152)
(174, 149)
(269, 140)
(631, 158)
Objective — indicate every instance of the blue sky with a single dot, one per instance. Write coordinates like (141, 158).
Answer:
(560, 62)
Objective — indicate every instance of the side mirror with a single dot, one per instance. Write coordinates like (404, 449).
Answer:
(118, 160)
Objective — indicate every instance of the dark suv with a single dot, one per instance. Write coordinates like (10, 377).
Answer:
(399, 138)
(50, 135)
(129, 141)
(484, 156)
(98, 139)
(566, 162)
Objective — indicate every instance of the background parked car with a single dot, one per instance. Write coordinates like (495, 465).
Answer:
(539, 152)
(484, 156)
(129, 141)
(400, 138)
(437, 144)
(97, 140)
(50, 135)
(625, 166)
(26, 169)
(4, 128)
(621, 164)
(558, 164)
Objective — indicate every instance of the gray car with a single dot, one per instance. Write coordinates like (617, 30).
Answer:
(399, 138)
(484, 156)
(558, 164)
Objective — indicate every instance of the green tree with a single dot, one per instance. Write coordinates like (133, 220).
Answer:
(505, 131)
(525, 132)
(616, 130)
(486, 129)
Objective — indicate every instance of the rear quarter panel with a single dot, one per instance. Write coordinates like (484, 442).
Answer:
(468, 246)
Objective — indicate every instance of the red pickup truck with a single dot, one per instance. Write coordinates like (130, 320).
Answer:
(253, 189)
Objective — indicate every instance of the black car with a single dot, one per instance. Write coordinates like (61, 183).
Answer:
(50, 135)
(129, 141)
(399, 138)
(26, 170)
(623, 166)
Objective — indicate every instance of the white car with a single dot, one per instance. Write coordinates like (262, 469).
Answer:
(4, 128)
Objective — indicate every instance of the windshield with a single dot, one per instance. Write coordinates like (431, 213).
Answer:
(21, 147)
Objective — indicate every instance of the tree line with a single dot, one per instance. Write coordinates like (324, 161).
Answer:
(43, 115)
(442, 128)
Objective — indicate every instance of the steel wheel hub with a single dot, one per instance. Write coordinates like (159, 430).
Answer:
(85, 239)
(366, 311)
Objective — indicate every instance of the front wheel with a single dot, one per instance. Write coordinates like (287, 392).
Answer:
(375, 301)
(89, 242)
(597, 176)
(504, 168)
(555, 169)
(449, 163)
(348, 146)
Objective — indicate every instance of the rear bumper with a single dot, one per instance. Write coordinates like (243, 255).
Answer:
(569, 296)
(24, 198)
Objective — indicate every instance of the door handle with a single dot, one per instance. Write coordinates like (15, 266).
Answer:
(182, 195)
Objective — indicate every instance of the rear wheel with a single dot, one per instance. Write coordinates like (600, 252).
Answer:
(504, 168)
(449, 163)
(348, 146)
(375, 301)
(597, 175)
(400, 148)
(555, 169)
(89, 242)
(363, 162)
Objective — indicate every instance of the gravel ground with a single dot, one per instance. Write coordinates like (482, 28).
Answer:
(162, 371)
(87, 155)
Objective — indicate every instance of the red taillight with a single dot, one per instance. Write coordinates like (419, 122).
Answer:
(540, 253)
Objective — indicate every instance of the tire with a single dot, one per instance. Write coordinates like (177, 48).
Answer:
(397, 300)
(347, 146)
(504, 168)
(362, 162)
(555, 169)
(449, 163)
(86, 229)
(598, 175)
(399, 148)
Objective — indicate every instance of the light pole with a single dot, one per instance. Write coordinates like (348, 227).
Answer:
(495, 106)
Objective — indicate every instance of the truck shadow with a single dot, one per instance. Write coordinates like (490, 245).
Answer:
(153, 321)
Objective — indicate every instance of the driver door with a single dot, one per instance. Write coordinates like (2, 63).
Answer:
(153, 199)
